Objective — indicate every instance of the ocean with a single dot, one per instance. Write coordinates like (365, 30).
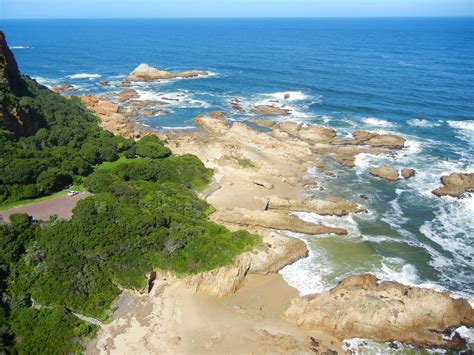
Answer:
(412, 76)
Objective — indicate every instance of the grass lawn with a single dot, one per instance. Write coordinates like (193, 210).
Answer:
(113, 164)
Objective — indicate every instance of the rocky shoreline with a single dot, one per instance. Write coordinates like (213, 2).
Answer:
(260, 182)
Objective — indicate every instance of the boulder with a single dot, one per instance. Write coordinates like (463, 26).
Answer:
(362, 307)
(104, 82)
(144, 72)
(408, 173)
(345, 159)
(385, 172)
(126, 95)
(268, 110)
(456, 185)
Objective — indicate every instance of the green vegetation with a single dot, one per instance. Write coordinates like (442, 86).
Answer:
(244, 163)
(144, 215)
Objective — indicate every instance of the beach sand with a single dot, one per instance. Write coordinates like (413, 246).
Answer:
(172, 319)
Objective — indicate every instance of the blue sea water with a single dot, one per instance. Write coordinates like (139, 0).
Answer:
(409, 76)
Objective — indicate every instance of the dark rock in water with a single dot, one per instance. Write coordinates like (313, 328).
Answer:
(286, 97)
(104, 82)
(235, 104)
(393, 345)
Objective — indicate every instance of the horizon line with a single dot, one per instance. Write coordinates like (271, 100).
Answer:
(235, 18)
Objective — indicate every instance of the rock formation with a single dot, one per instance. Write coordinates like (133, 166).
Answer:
(408, 173)
(278, 252)
(265, 219)
(456, 185)
(144, 72)
(13, 117)
(111, 118)
(63, 88)
(268, 110)
(385, 172)
(361, 306)
(126, 95)
(329, 207)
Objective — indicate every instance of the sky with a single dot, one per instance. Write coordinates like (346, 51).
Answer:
(10, 9)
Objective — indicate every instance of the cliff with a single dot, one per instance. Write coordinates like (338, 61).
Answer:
(14, 117)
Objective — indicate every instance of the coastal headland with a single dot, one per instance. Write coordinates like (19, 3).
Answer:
(259, 182)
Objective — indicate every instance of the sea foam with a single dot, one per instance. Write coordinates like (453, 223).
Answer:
(377, 122)
(84, 76)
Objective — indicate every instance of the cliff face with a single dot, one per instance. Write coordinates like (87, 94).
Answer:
(13, 117)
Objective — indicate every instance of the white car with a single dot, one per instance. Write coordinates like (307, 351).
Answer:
(72, 193)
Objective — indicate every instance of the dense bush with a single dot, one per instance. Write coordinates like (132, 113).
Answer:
(69, 143)
(144, 216)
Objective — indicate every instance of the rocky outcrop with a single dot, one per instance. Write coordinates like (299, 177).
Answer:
(268, 110)
(345, 159)
(385, 172)
(391, 141)
(126, 95)
(144, 72)
(272, 220)
(215, 122)
(63, 88)
(408, 173)
(362, 307)
(152, 112)
(278, 251)
(329, 207)
(456, 185)
(111, 118)
(146, 103)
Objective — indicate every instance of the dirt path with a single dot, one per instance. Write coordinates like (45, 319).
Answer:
(61, 206)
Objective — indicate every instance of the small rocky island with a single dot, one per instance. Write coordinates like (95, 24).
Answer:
(144, 72)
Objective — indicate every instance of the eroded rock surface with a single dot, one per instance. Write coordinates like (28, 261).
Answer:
(360, 306)
(268, 110)
(456, 185)
(266, 219)
(331, 206)
(278, 252)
